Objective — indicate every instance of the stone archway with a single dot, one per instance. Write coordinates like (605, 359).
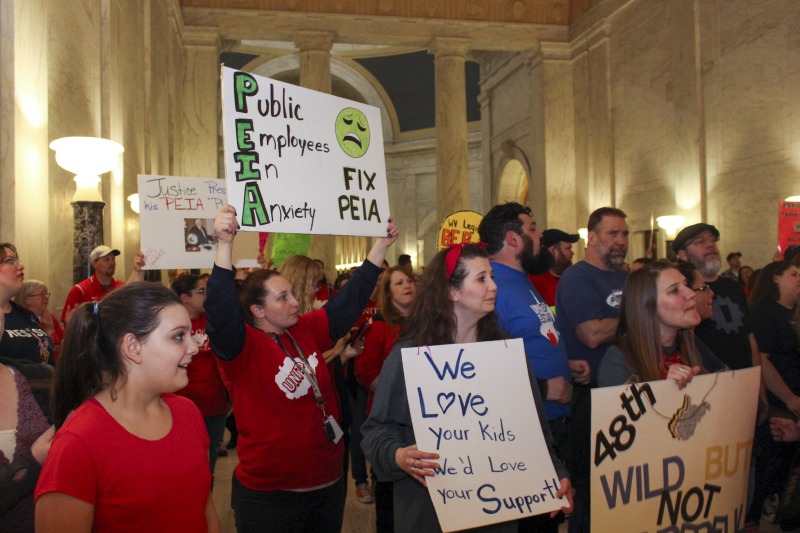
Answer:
(513, 183)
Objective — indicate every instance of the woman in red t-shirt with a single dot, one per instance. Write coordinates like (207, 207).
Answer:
(290, 475)
(205, 387)
(396, 293)
(127, 455)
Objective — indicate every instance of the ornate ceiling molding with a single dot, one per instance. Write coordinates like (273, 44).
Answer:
(547, 12)
(247, 20)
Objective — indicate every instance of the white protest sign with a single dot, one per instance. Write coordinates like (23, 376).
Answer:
(473, 405)
(176, 220)
(665, 459)
(301, 161)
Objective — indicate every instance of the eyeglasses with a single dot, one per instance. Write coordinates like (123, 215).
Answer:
(11, 261)
(46, 294)
(702, 289)
(702, 241)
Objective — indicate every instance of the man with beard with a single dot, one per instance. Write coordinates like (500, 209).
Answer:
(556, 255)
(729, 335)
(727, 332)
(101, 282)
(513, 243)
(587, 314)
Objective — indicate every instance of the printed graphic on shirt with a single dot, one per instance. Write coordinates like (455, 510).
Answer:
(614, 299)
(27, 333)
(727, 315)
(200, 337)
(546, 319)
(40, 335)
(291, 378)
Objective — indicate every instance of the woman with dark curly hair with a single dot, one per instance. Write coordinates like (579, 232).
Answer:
(455, 304)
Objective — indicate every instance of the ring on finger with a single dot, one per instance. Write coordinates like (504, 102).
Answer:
(413, 470)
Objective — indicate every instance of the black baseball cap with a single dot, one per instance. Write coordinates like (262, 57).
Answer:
(555, 236)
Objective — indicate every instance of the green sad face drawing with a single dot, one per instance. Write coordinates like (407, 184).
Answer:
(352, 131)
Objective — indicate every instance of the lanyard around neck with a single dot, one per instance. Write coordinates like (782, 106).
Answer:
(306, 368)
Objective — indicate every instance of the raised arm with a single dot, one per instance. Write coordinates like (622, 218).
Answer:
(225, 226)
(348, 304)
(138, 268)
(225, 323)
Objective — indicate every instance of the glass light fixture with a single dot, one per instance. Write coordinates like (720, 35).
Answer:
(87, 158)
(670, 224)
(584, 233)
(134, 200)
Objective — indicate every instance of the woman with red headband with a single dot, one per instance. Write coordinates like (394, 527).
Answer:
(455, 304)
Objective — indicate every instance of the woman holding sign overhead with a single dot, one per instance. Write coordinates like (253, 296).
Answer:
(290, 474)
(455, 304)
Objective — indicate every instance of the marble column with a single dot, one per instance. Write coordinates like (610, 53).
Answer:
(452, 183)
(315, 73)
(87, 235)
(199, 125)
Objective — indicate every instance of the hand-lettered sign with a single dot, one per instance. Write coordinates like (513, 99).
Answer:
(788, 225)
(176, 220)
(473, 405)
(286, 245)
(301, 161)
(665, 459)
(461, 226)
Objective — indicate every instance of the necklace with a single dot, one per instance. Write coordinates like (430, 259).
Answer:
(682, 424)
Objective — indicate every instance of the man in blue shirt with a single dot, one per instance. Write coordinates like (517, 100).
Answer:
(587, 310)
(513, 243)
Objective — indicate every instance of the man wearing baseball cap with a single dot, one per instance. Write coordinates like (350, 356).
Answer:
(727, 332)
(94, 288)
(556, 256)
(734, 260)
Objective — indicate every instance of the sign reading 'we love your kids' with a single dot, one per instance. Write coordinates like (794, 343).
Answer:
(301, 161)
(473, 405)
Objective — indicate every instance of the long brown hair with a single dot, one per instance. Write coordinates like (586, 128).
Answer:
(391, 315)
(432, 319)
(639, 330)
(766, 290)
(302, 272)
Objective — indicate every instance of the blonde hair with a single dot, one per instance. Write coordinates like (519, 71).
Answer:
(302, 272)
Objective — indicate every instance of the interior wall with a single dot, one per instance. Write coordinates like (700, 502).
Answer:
(750, 65)
(96, 68)
(686, 107)
(512, 89)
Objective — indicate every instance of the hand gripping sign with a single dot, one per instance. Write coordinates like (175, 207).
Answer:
(473, 405)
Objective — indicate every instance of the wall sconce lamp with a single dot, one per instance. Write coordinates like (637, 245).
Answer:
(87, 158)
(134, 200)
(584, 233)
(670, 224)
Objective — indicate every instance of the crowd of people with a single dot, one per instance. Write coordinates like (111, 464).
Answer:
(145, 376)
